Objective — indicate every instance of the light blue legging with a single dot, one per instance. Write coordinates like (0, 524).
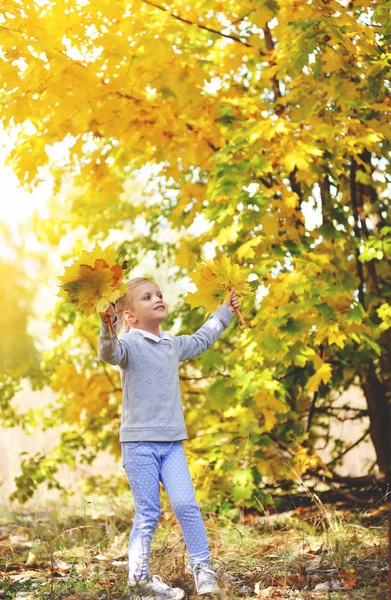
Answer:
(146, 465)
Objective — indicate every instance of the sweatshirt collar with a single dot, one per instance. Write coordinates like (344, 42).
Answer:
(152, 336)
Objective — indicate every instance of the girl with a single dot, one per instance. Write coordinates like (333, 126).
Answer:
(153, 427)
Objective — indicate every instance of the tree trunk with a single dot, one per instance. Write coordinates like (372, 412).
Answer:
(379, 417)
(375, 385)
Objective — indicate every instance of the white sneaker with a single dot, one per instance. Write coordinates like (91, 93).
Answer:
(204, 578)
(153, 587)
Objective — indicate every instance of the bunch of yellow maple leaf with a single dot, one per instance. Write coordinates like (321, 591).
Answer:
(214, 280)
(94, 281)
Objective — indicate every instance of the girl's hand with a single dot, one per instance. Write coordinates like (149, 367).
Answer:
(233, 302)
(108, 314)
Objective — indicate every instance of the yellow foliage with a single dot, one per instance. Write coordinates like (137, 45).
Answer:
(291, 199)
(322, 374)
(240, 131)
(81, 392)
(246, 250)
(261, 16)
(384, 313)
(269, 419)
(270, 224)
(185, 253)
(93, 281)
(228, 235)
(267, 403)
(213, 280)
(303, 460)
(336, 337)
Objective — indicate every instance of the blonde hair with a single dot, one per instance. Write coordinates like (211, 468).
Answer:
(125, 302)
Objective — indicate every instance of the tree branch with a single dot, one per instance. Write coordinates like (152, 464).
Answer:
(356, 443)
(333, 413)
(313, 403)
(325, 195)
(356, 229)
(232, 37)
(275, 82)
(365, 156)
(203, 377)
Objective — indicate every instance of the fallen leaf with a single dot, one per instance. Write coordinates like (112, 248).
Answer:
(26, 575)
(264, 593)
(81, 568)
(245, 590)
(20, 540)
(349, 578)
(333, 584)
(60, 566)
(315, 551)
(31, 559)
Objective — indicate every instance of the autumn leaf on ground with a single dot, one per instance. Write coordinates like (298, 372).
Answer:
(349, 578)
(214, 280)
(93, 281)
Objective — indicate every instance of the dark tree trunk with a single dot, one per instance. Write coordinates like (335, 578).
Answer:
(375, 378)
(379, 417)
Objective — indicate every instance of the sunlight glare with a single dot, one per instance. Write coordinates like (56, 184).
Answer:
(17, 205)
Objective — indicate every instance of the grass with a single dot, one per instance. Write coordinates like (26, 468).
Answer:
(82, 554)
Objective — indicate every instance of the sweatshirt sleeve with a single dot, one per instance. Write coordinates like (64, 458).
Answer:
(191, 345)
(109, 350)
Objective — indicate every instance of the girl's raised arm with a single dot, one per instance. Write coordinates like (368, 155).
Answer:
(192, 345)
(110, 349)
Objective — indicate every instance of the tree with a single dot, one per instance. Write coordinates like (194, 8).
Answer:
(245, 114)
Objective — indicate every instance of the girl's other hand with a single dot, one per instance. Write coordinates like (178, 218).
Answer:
(233, 302)
(108, 314)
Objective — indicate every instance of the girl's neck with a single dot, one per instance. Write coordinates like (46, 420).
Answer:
(150, 328)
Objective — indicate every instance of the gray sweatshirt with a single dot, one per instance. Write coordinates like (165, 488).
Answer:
(151, 399)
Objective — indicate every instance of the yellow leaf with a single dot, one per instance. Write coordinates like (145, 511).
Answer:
(337, 338)
(291, 199)
(269, 405)
(246, 249)
(93, 281)
(213, 280)
(261, 16)
(265, 399)
(322, 374)
(269, 419)
(270, 224)
(185, 256)
(305, 459)
(228, 234)
(295, 159)
(209, 299)
(317, 360)
(333, 61)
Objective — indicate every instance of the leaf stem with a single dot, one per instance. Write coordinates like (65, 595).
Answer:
(241, 322)
(112, 332)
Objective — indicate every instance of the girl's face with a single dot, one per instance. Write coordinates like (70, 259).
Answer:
(147, 305)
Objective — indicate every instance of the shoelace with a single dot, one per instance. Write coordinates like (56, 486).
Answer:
(158, 584)
(205, 573)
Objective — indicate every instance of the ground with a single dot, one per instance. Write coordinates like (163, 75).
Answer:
(318, 553)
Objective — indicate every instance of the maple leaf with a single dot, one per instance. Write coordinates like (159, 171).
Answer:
(214, 279)
(93, 281)
(322, 374)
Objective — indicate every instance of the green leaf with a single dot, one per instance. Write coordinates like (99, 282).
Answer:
(372, 344)
(356, 313)
(240, 493)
